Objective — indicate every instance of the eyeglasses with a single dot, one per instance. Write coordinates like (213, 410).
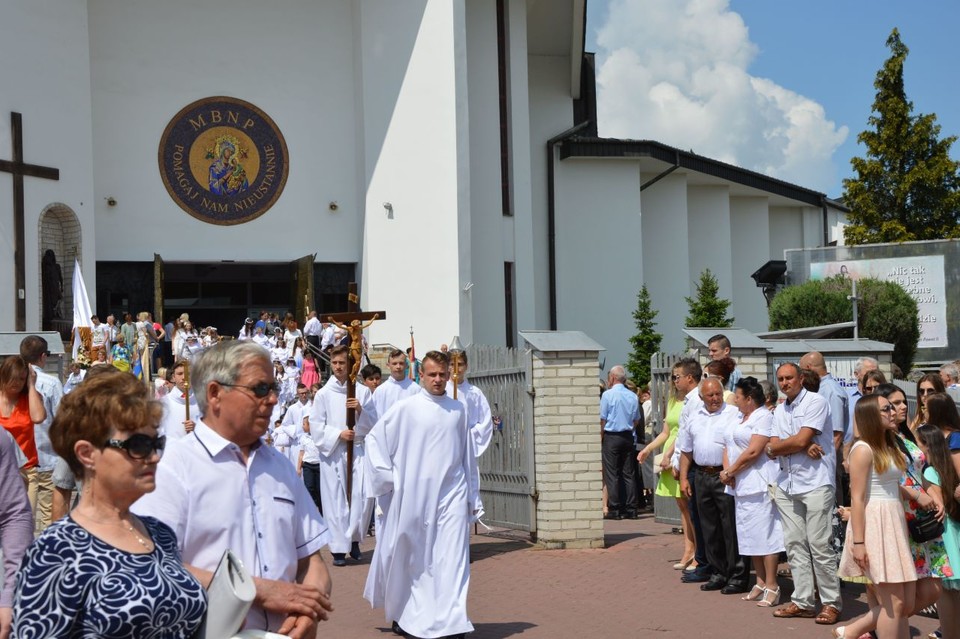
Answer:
(260, 391)
(139, 446)
(888, 408)
(870, 389)
(927, 391)
(676, 377)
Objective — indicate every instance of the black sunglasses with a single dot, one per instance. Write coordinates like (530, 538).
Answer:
(927, 391)
(139, 446)
(260, 391)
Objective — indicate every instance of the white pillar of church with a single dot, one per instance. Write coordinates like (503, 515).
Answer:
(750, 248)
(594, 257)
(663, 217)
(413, 98)
(709, 235)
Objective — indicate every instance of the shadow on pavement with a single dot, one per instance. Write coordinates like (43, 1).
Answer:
(500, 630)
(486, 550)
(612, 539)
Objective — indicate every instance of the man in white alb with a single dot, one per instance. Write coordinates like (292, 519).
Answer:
(292, 424)
(175, 424)
(421, 452)
(328, 426)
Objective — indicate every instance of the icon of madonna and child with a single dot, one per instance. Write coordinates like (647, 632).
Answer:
(227, 176)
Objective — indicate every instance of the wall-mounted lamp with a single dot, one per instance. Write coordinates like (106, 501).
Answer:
(333, 206)
(111, 201)
(388, 207)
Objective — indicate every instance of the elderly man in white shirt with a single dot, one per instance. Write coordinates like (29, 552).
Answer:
(701, 446)
(223, 488)
(803, 443)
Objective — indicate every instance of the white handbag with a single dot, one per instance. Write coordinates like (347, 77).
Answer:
(229, 598)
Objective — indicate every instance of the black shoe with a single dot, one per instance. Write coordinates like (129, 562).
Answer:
(355, 553)
(397, 630)
(732, 589)
(713, 584)
(339, 559)
(632, 516)
(694, 578)
(613, 516)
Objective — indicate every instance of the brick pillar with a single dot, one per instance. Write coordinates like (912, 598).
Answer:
(566, 427)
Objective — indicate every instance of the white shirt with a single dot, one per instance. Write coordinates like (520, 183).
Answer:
(100, 335)
(312, 327)
(754, 479)
(391, 391)
(72, 380)
(706, 433)
(51, 390)
(309, 449)
(327, 336)
(691, 403)
(260, 509)
(799, 473)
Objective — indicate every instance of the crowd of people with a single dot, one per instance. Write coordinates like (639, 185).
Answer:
(845, 484)
(146, 486)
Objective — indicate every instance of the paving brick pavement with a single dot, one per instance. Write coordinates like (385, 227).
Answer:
(628, 589)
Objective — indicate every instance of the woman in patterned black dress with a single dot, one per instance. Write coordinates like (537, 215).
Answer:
(102, 571)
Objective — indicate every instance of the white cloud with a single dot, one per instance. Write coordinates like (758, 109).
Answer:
(676, 71)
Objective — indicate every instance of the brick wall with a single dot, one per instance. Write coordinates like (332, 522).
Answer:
(566, 421)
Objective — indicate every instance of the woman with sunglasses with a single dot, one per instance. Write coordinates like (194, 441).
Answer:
(876, 549)
(926, 386)
(102, 571)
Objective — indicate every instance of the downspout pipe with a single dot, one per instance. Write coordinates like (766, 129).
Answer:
(657, 178)
(826, 229)
(552, 216)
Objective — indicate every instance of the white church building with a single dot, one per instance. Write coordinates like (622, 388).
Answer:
(219, 157)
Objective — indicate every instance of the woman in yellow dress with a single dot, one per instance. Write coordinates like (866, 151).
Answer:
(668, 484)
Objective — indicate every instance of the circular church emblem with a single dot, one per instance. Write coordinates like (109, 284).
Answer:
(223, 160)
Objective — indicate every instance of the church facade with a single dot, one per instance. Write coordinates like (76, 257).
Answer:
(225, 156)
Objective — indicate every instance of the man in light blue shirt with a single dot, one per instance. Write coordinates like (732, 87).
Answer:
(619, 416)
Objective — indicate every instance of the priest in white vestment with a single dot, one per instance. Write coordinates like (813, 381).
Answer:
(175, 424)
(348, 523)
(421, 452)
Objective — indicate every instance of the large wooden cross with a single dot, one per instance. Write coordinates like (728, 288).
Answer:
(352, 321)
(19, 169)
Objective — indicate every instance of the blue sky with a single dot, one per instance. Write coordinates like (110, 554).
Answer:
(775, 86)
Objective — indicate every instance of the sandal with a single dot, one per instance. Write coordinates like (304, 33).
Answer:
(828, 616)
(755, 593)
(792, 610)
(769, 601)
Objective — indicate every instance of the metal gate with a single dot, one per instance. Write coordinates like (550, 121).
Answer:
(661, 388)
(506, 468)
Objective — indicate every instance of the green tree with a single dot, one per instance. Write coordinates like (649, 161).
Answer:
(647, 340)
(907, 187)
(885, 312)
(708, 310)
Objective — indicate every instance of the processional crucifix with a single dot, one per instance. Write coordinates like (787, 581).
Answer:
(352, 323)
(18, 168)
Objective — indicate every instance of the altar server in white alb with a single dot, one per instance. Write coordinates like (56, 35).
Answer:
(397, 386)
(292, 424)
(479, 419)
(421, 452)
(175, 424)
(328, 426)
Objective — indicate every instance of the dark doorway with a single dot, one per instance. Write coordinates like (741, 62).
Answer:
(220, 294)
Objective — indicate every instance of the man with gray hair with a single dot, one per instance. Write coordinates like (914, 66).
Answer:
(620, 417)
(949, 375)
(221, 487)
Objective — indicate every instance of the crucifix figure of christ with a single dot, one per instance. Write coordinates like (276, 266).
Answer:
(18, 168)
(352, 322)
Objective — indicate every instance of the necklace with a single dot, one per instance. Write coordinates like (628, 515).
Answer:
(140, 539)
(123, 524)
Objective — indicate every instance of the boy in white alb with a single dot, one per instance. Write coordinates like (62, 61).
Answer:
(328, 425)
